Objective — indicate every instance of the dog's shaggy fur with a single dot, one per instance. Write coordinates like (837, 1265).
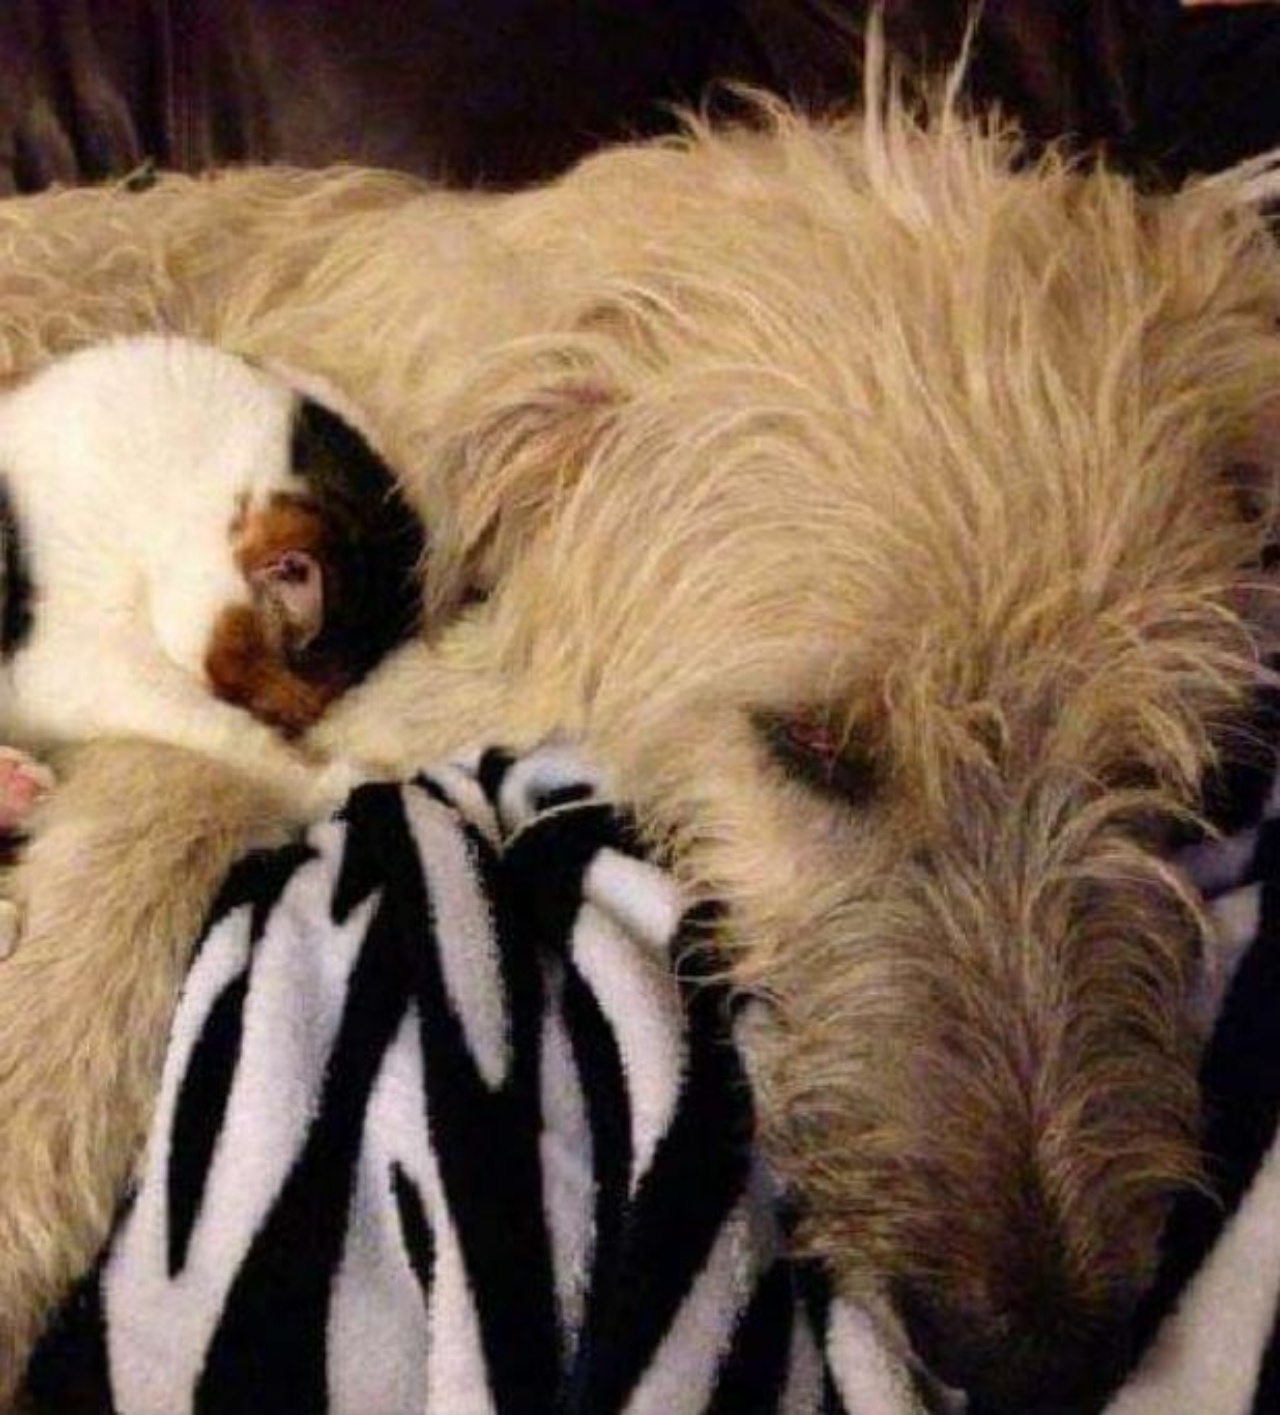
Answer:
(869, 433)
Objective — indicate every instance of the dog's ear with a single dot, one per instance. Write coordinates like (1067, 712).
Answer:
(515, 442)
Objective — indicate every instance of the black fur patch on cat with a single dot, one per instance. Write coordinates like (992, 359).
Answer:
(16, 613)
(379, 550)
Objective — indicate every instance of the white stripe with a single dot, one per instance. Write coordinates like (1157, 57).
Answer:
(641, 1003)
(551, 767)
(463, 926)
(1205, 1359)
(377, 1333)
(1236, 917)
(158, 1327)
(457, 1374)
(467, 796)
(448, 1372)
(682, 1375)
(641, 898)
(568, 1180)
(802, 1394)
(870, 1380)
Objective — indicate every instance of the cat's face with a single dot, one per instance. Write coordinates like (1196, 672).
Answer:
(262, 649)
(328, 555)
(191, 516)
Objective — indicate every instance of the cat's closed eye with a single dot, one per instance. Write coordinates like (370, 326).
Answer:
(266, 655)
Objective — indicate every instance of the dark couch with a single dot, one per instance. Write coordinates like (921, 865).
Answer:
(505, 91)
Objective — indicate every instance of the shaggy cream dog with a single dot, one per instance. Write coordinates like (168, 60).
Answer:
(869, 499)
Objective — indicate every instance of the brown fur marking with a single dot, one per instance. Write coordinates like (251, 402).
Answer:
(244, 667)
(249, 661)
(286, 523)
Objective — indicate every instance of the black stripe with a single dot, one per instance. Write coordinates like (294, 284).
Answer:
(256, 1361)
(486, 1141)
(608, 1107)
(1266, 1396)
(493, 769)
(557, 796)
(543, 872)
(1241, 1084)
(814, 1283)
(832, 1404)
(17, 612)
(487, 1146)
(257, 880)
(68, 1374)
(419, 1245)
(753, 1376)
(544, 866)
(436, 790)
(199, 1112)
(670, 1225)
(1267, 1389)
(1236, 788)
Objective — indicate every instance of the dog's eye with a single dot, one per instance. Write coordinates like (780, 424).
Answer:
(809, 749)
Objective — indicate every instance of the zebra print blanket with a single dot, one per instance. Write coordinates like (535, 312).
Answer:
(441, 1130)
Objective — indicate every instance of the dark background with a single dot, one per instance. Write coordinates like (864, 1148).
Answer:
(506, 91)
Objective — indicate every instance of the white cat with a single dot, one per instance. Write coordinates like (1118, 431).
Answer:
(193, 553)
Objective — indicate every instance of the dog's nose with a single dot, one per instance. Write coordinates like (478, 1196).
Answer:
(1042, 1362)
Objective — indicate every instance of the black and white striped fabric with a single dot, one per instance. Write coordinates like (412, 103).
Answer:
(1211, 1328)
(443, 1130)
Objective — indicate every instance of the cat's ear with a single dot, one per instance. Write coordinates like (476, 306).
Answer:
(341, 465)
(378, 548)
(314, 389)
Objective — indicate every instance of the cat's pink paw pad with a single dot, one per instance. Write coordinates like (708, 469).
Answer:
(24, 783)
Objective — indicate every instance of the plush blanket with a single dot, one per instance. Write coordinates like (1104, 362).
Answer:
(442, 1129)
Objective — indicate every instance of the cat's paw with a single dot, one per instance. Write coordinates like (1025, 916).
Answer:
(24, 783)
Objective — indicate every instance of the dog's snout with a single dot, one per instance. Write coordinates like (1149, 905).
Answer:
(1043, 1360)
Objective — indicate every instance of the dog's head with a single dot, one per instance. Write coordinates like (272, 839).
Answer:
(880, 519)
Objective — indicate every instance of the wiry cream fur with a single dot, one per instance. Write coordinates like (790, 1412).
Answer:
(869, 421)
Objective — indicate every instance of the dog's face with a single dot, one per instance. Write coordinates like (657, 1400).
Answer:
(884, 532)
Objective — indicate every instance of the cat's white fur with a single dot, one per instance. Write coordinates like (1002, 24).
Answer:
(125, 465)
